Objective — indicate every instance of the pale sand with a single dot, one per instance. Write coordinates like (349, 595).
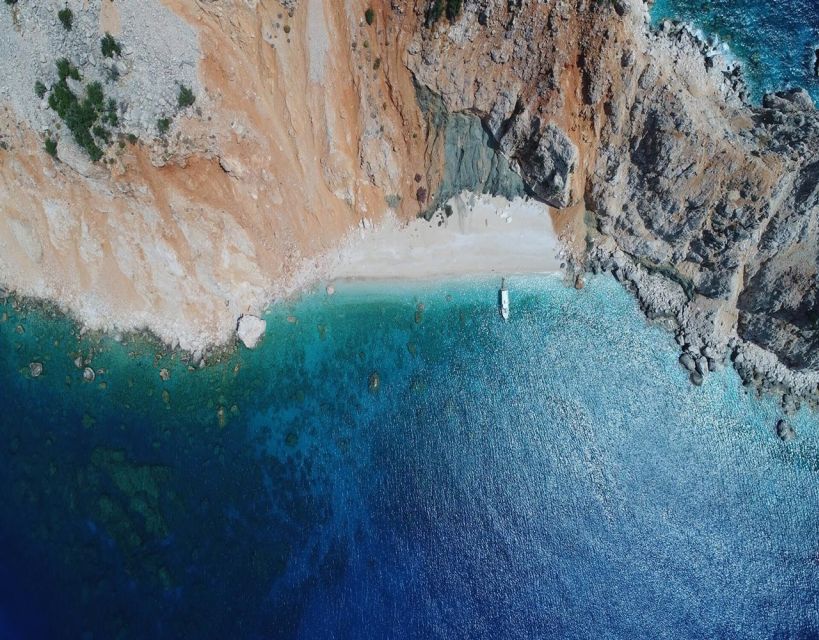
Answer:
(483, 236)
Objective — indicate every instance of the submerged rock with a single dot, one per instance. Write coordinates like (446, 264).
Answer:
(165, 374)
(88, 374)
(375, 382)
(784, 431)
(35, 369)
(250, 330)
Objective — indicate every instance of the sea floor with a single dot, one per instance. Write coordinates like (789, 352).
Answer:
(396, 462)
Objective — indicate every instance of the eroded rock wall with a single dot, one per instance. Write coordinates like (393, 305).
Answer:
(662, 171)
(300, 130)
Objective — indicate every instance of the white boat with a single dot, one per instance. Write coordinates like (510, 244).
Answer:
(503, 297)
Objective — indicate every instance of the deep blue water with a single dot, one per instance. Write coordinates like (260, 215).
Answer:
(775, 39)
(553, 477)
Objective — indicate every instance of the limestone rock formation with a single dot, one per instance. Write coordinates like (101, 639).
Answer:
(193, 213)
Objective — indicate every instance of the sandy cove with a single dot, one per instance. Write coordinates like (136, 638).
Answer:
(483, 235)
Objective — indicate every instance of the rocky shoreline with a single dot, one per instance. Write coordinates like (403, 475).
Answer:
(705, 206)
(642, 139)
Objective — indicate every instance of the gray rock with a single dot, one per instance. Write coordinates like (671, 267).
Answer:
(35, 369)
(688, 362)
(697, 379)
(785, 431)
(88, 374)
(549, 166)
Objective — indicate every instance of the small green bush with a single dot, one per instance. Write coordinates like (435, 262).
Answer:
(369, 16)
(61, 98)
(102, 133)
(111, 116)
(437, 9)
(186, 97)
(453, 9)
(132, 139)
(40, 89)
(95, 96)
(110, 46)
(50, 145)
(162, 125)
(67, 70)
(66, 16)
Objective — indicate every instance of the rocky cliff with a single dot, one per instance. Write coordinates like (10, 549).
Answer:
(311, 117)
(203, 153)
(661, 170)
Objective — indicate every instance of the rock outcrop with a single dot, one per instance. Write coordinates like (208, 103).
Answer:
(194, 213)
(701, 203)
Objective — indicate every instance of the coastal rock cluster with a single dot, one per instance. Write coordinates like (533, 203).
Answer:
(663, 172)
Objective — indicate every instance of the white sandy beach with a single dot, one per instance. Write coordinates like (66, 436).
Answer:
(483, 236)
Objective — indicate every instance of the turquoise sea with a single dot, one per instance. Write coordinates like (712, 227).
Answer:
(396, 462)
(553, 477)
(776, 40)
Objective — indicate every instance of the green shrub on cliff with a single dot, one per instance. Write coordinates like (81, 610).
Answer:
(80, 117)
(111, 116)
(66, 16)
(50, 145)
(40, 89)
(61, 98)
(110, 46)
(369, 16)
(437, 9)
(162, 125)
(453, 9)
(186, 97)
(67, 70)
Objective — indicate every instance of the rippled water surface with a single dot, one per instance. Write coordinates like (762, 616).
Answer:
(556, 476)
(776, 39)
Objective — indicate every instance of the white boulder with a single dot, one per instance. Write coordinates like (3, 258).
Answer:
(250, 330)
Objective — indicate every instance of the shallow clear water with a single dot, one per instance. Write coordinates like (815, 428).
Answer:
(775, 39)
(556, 476)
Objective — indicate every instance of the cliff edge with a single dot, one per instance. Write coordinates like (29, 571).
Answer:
(661, 170)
